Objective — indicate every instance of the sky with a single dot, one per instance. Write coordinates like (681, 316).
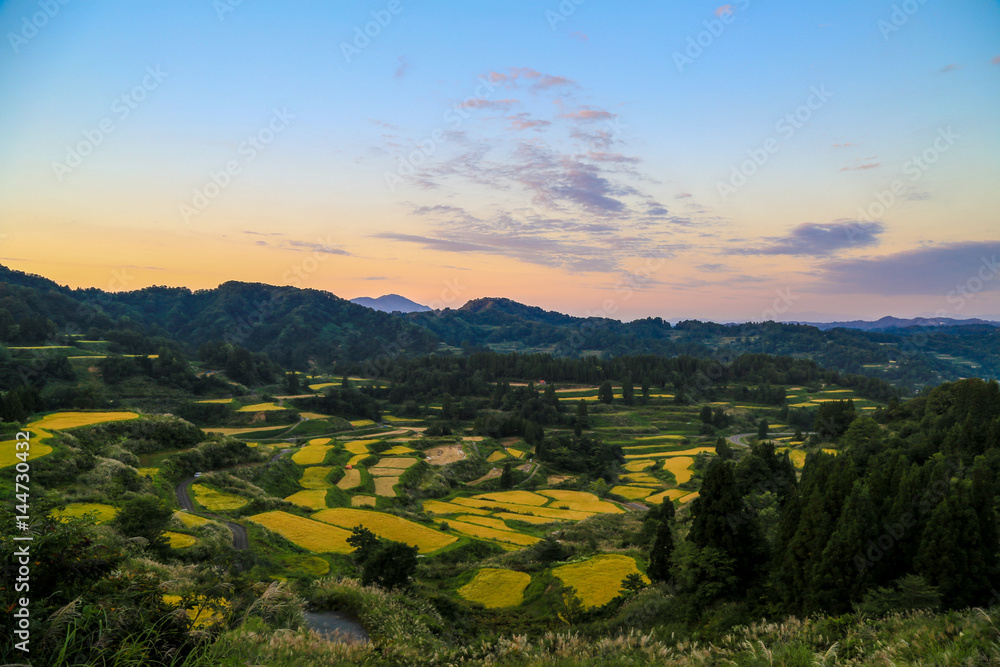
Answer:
(735, 162)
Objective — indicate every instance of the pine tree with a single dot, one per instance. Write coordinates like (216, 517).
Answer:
(844, 571)
(661, 553)
(506, 477)
(762, 429)
(628, 392)
(605, 393)
(706, 414)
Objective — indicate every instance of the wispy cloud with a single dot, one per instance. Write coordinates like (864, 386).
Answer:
(949, 68)
(402, 68)
(820, 240)
(862, 167)
(524, 121)
(936, 270)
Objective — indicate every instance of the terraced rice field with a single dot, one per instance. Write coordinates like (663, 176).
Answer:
(642, 478)
(485, 532)
(314, 499)
(388, 526)
(314, 477)
(360, 423)
(527, 518)
(395, 462)
(518, 497)
(151, 472)
(517, 453)
(312, 453)
(385, 472)
(399, 449)
(63, 420)
(631, 492)
(442, 507)
(665, 454)
(495, 588)
(680, 467)
(671, 494)
(312, 535)
(350, 480)
(362, 501)
(321, 385)
(357, 458)
(384, 486)
(241, 431)
(487, 521)
(98, 511)
(597, 580)
(260, 407)
(216, 400)
(513, 508)
(36, 449)
(496, 456)
(179, 540)
(680, 438)
(191, 520)
(638, 466)
(358, 446)
(580, 501)
(216, 501)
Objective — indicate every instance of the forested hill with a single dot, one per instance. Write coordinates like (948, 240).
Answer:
(296, 327)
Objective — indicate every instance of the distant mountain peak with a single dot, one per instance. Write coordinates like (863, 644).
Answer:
(389, 303)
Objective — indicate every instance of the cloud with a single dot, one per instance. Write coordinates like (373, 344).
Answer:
(819, 240)
(302, 246)
(861, 167)
(402, 68)
(524, 121)
(580, 36)
(378, 278)
(602, 156)
(712, 268)
(949, 68)
(996, 60)
(936, 270)
(517, 77)
(846, 144)
(588, 115)
(683, 195)
(479, 103)
(723, 10)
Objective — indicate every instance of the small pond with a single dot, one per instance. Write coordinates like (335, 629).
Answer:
(336, 625)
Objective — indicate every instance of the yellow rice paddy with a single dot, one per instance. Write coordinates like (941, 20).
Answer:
(214, 500)
(442, 507)
(362, 501)
(191, 520)
(517, 497)
(314, 499)
(179, 540)
(311, 454)
(98, 511)
(260, 407)
(308, 534)
(63, 420)
(474, 530)
(598, 580)
(388, 526)
(315, 477)
(495, 588)
(680, 467)
(384, 486)
(631, 492)
(350, 480)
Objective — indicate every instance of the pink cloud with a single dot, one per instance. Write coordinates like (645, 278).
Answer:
(870, 165)
(588, 115)
(996, 60)
(580, 36)
(724, 9)
(477, 103)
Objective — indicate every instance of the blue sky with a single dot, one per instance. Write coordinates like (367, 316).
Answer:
(585, 157)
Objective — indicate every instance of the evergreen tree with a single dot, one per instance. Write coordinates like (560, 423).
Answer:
(661, 553)
(706, 414)
(722, 449)
(506, 477)
(762, 429)
(292, 383)
(628, 392)
(605, 393)
(721, 521)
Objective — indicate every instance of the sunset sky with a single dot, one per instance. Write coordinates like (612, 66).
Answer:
(754, 160)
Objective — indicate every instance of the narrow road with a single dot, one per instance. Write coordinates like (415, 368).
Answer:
(241, 540)
(738, 438)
